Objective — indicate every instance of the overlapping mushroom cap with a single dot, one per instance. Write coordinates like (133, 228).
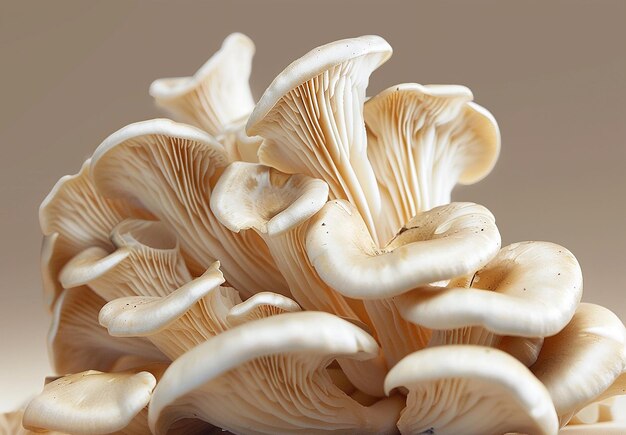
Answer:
(297, 267)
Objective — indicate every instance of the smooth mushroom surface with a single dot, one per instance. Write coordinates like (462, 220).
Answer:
(90, 402)
(297, 266)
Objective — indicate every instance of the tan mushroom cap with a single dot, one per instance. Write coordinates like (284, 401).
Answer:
(217, 94)
(171, 168)
(453, 388)
(422, 140)
(76, 342)
(311, 118)
(583, 361)
(269, 376)
(90, 402)
(136, 316)
(11, 424)
(439, 244)
(530, 289)
(254, 196)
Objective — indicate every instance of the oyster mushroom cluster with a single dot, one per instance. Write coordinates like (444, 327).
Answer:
(297, 266)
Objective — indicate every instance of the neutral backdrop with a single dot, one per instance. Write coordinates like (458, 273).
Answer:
(552, 72)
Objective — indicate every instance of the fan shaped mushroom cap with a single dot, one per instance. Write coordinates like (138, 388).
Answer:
(135, 316)
(90, 402)
(171, 168)
(530, 289)
(316, 62)
(76, 342)
(220, 389)
(217, 94)
(248, 195)
(439, 244)
(453, 388)
(581, 362)
(422, 140)
(311, 119)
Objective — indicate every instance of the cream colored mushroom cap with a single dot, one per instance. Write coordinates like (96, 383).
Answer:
(314, 63)
(443, 243)
(176, 87)
(484, 123)
(250, 195)
(90, 402)
(308, 331)
(481, 372)
(530, 289)
(153, 127)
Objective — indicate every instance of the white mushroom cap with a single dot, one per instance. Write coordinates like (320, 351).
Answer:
(217, 94)
(171, 168)
(261, 305)
(311, 118)
(90, 402)
(454, 388)
(268, 376)
(530, 289)
(439, 244)
(136, 316)
(76, 342)
(583, 361)
(249, 195)
(422, 140)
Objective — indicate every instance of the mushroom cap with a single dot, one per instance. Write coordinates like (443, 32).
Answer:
(439, 244)
(249, 195)
(226, 380)
(90, 402)
(235, 43)
(489, 391)
(265, 301)
(76, 342)
(445, 103)
(218, 94)
(313, 63)
(136, 316)
(530, 289)
(130, 136)
(171, 169)
(582, 362)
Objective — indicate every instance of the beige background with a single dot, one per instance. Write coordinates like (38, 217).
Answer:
(553, 73)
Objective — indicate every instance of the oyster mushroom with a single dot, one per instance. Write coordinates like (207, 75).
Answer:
(218, 94)
(311, 120)
(581, 363)
(236, 380)
(171, 168)
(470, 389)
(90, 402)
(440, 244)
(421, 141)
(278, 207)
(76, 342)
(529, 289)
